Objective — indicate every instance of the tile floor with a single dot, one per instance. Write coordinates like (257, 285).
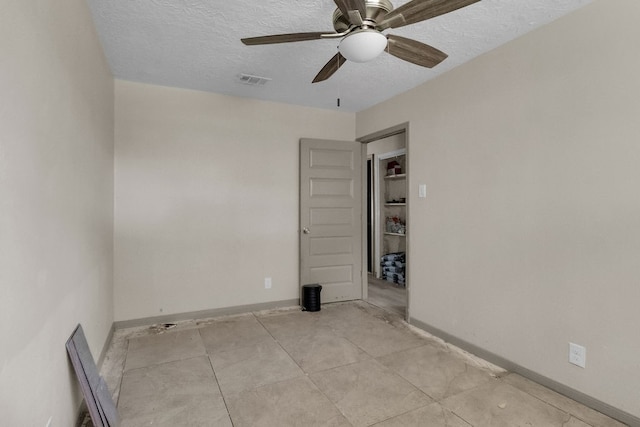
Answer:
(389, 296)
(351, 364)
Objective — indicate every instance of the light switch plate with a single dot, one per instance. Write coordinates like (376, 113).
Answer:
(422, 191)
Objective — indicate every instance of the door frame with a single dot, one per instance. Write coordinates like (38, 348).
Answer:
(371, 214)
(384, 133)
(378, 174)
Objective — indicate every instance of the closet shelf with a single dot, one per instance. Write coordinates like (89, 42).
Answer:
(399, 176)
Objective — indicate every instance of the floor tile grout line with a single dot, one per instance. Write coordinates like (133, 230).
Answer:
(262, 385)
(501, 380)
(358, 347)
(333, 330)
(215, 377)
(383, 368)
(457, 415)
(571, 414)
(400, 415)
(280, 345)
(328, 398)
(268, 331)
(182, 359)
(308, 375)
(454, 412)
(121, 376)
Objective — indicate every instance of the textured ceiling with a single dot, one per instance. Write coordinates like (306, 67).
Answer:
(195, 44)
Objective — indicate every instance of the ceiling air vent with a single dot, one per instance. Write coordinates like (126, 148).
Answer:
(250, 80)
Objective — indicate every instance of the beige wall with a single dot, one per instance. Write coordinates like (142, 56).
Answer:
(207, 198)
(528, 238)
(56, 204)
(530, 235)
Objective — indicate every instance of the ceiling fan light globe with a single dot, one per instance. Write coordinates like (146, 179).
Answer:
(363, 45)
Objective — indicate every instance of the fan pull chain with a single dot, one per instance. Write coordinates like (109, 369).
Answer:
(338, 99)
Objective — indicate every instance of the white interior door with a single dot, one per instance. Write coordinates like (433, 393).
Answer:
(331, 217)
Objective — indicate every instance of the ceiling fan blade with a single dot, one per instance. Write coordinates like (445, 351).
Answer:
(420, 10)
(283, 38)
(346, 5)
(330, 68)
(414, 51)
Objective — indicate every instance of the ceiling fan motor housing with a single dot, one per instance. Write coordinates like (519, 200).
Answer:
(360, 23)
(376, 11)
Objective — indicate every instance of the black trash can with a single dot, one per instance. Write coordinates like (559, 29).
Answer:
(311, 297)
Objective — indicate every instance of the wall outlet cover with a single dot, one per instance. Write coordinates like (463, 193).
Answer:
(577, 355)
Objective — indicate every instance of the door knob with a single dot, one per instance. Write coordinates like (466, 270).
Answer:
(305, 230)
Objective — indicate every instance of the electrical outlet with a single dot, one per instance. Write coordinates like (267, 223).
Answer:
(267, 282)
(577, 355)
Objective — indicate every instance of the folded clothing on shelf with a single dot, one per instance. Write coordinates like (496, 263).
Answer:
(395, 256)
(393, 267)
(394, 278)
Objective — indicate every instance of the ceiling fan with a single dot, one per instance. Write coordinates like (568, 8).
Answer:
(359, 23)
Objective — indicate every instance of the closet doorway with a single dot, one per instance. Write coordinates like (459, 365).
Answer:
(387, 202)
